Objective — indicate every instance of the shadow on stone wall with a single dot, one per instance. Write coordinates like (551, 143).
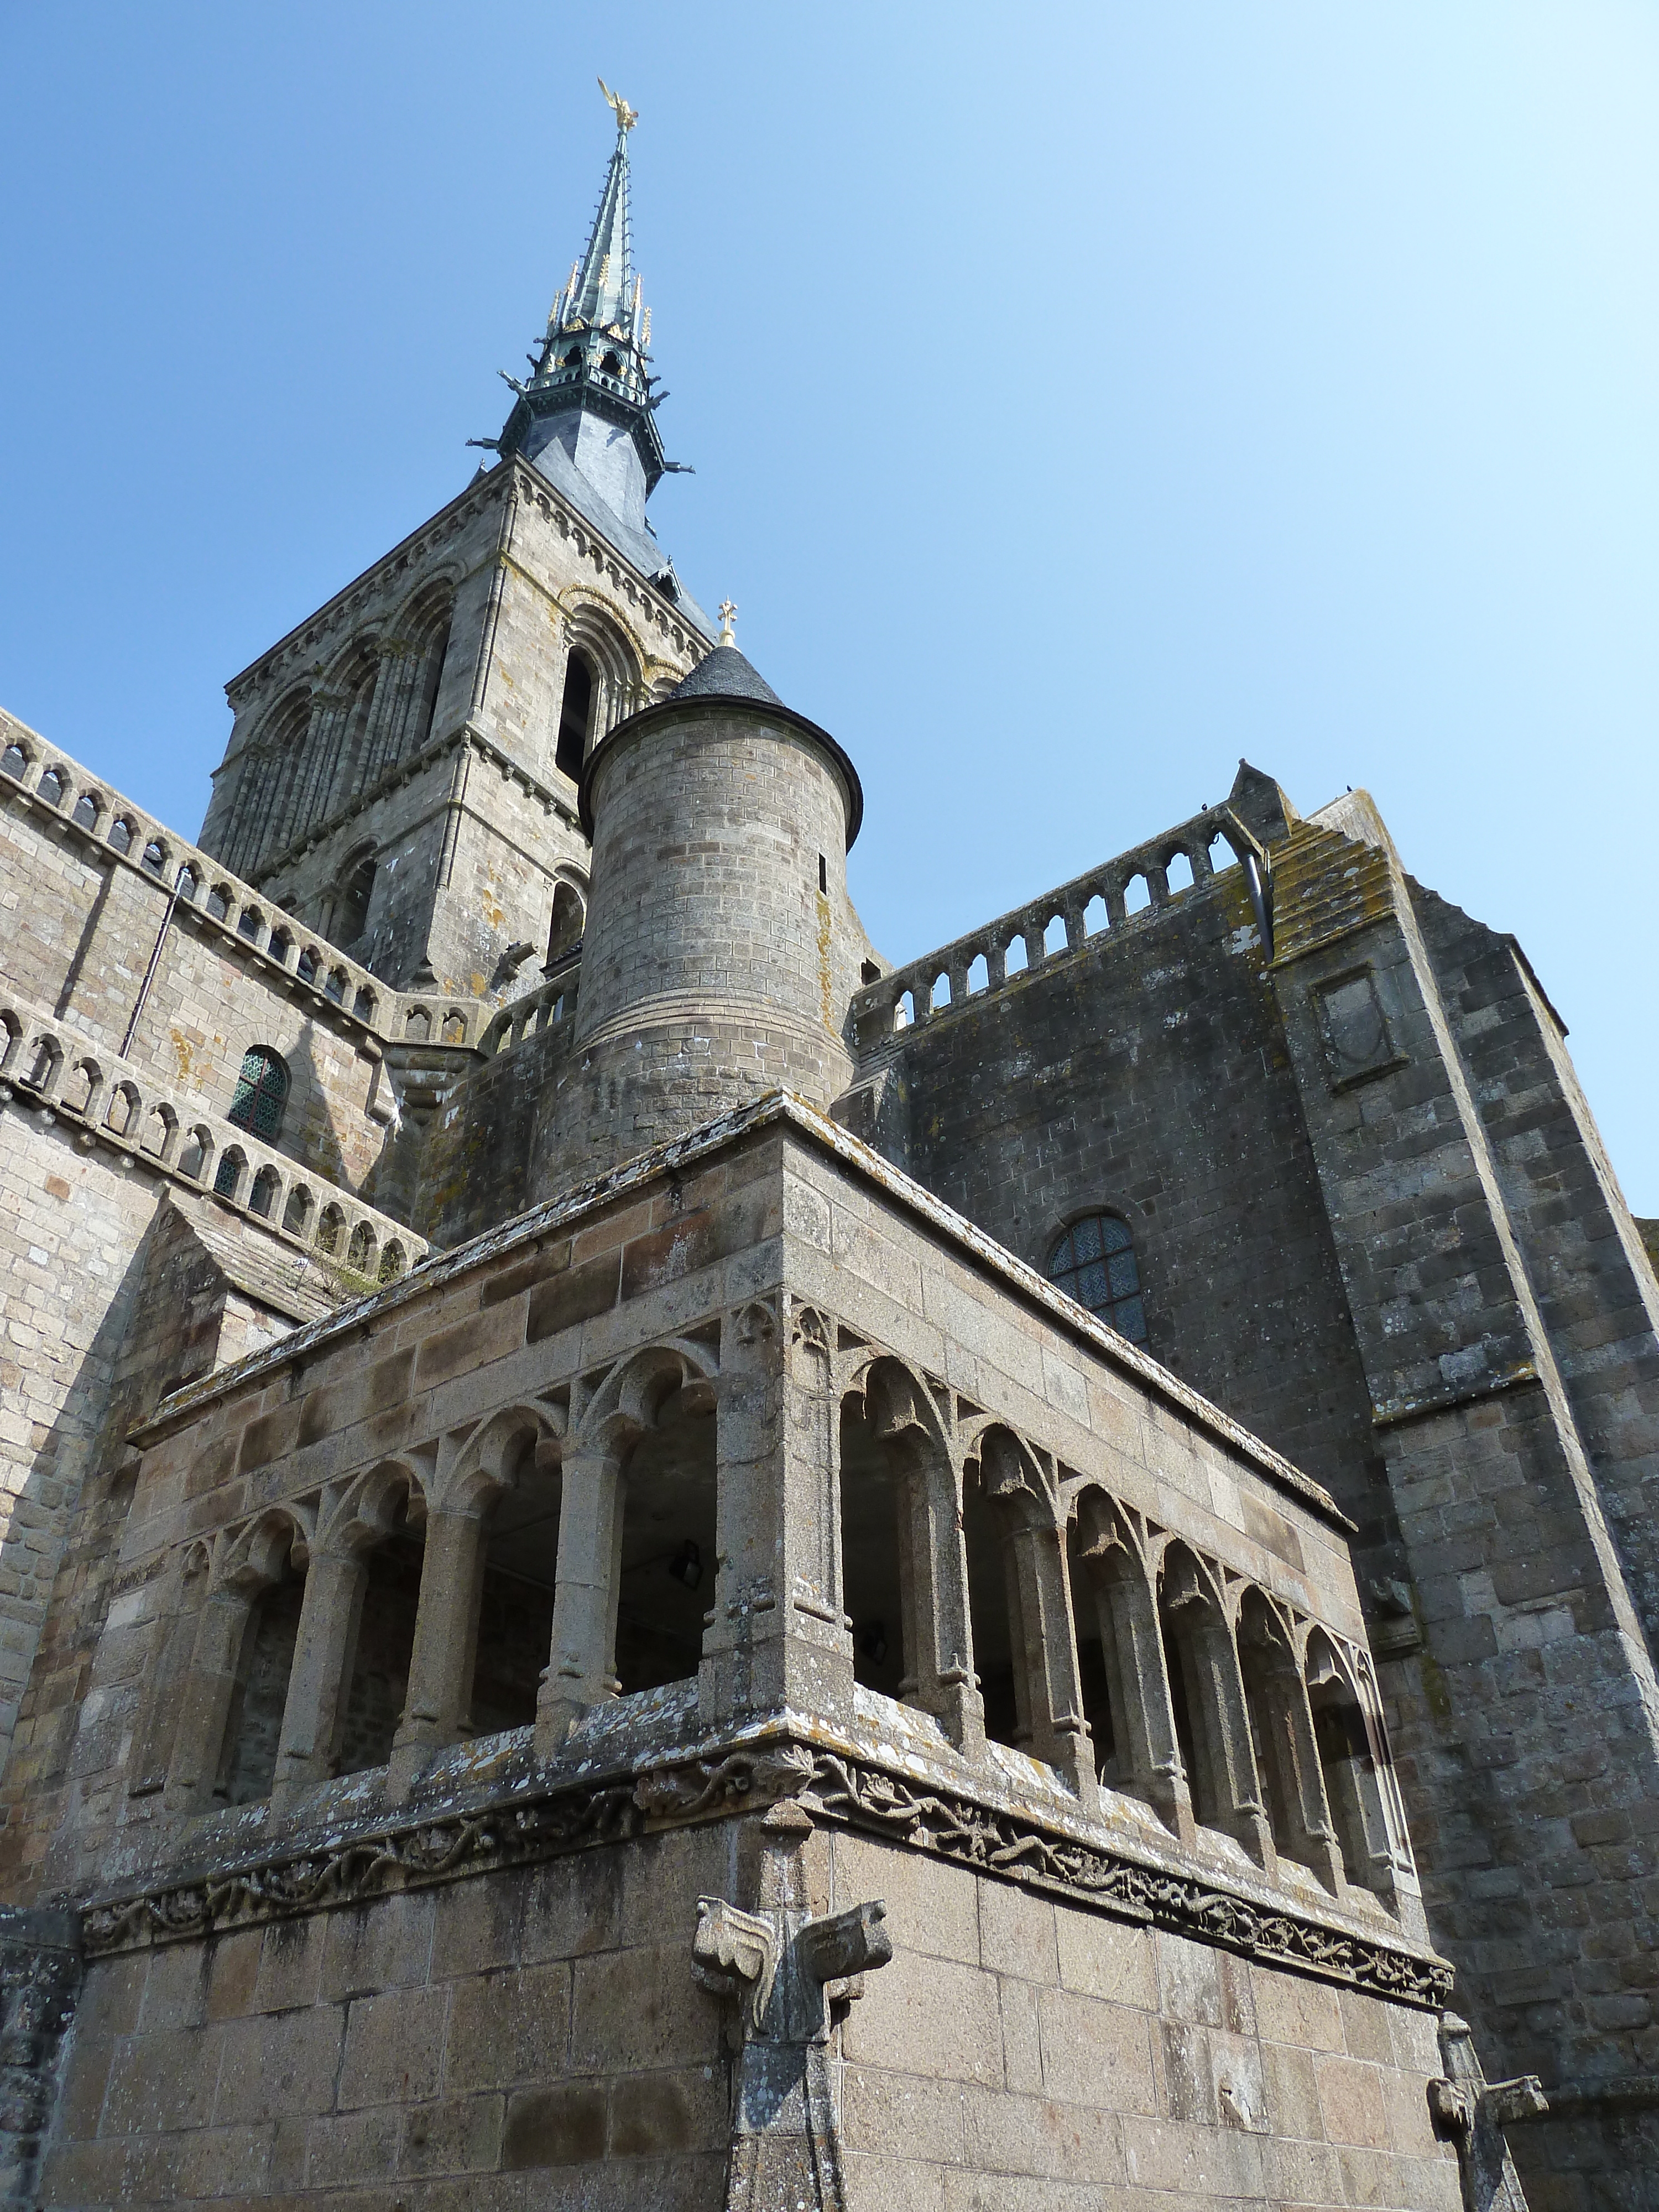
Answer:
(161, 1329)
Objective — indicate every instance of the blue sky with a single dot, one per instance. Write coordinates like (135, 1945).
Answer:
(1080, 399)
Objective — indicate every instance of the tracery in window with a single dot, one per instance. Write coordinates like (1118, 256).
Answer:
(261, 1093)
(1094, 1263)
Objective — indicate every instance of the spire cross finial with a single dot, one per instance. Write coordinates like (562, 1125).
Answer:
(626, 117)
(725, 610)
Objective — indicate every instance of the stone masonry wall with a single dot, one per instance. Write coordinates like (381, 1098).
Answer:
(1597, 1298)
(537, 2035)
(82, 923)
(107, 1304)
(1147, 1074)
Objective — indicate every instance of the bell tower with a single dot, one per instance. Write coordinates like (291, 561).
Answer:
(403, 769)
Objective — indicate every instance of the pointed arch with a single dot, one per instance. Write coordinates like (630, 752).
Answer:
(609, 680)
(417, 652)
(242, 1661)
(1282, 1738)
(1207, 1693)
(1122, 1666)
(902, 1568)
(270, 762)
(637, 1533)
(1353, 1760)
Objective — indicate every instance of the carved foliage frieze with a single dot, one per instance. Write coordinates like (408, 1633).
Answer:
(833, 1788)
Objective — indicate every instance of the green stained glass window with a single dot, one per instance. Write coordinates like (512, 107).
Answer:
(261, 1092)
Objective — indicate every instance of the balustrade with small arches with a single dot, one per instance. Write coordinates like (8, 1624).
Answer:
(1060, 925)
(207, 895)
(46, 1067)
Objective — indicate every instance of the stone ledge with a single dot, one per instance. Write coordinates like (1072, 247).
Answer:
(1070, 1858)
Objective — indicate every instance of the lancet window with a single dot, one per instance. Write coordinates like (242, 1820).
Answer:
(575, 715)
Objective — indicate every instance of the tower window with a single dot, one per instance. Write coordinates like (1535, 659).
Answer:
(565, 934)
(823, 876)
(261, 1093)
(611, 366)
(575, 715)
(1094, 1263)
(351, 912)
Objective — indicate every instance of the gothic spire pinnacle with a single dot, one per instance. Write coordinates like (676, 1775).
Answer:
(600, 295)
(592, 369)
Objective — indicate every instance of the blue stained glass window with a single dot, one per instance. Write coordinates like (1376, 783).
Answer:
(1094, 1263)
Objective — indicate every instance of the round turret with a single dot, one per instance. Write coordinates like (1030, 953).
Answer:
(720, 950)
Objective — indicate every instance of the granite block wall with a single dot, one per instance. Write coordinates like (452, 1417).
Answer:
(537, 2035)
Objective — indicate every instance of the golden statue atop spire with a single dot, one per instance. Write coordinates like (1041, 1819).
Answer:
(626, 117)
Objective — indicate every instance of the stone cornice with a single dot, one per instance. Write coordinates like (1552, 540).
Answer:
(776, 1109)
(482, 492)
(835, 1786)
(434, 750)
(514, 475)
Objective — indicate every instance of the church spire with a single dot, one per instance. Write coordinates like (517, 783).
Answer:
(599, 292)
(592, 369)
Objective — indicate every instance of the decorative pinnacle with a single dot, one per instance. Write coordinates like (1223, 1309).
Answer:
(725, 610)
(626, 117)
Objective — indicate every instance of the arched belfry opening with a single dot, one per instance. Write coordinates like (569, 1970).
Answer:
(575, 714)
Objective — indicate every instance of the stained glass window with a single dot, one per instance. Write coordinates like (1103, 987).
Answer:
(261, 1089)
(1094, 1263)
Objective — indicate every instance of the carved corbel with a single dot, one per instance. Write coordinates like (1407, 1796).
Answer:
(793, 1978)
(1472, 2112)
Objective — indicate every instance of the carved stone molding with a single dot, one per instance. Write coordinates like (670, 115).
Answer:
(838, 1787)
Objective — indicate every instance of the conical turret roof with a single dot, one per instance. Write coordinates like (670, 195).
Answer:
(725, 674)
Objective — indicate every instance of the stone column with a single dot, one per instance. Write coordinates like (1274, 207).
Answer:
(204, 1710)
(933, 1575)
(1291, 1749)
(445, 1650)
(324, 1650)
(1138, 1684)
(582, 1669)
(776, 1638)
(1041, 1617)
(1221, 1722)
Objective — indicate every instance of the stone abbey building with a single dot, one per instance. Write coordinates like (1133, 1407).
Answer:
(649, 1562)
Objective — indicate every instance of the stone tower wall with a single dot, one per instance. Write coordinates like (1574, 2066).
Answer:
(471, 826)
(722, 948)
(1402, 1255)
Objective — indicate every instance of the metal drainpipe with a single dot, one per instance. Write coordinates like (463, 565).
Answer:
(155, 961)
(1261, 900)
